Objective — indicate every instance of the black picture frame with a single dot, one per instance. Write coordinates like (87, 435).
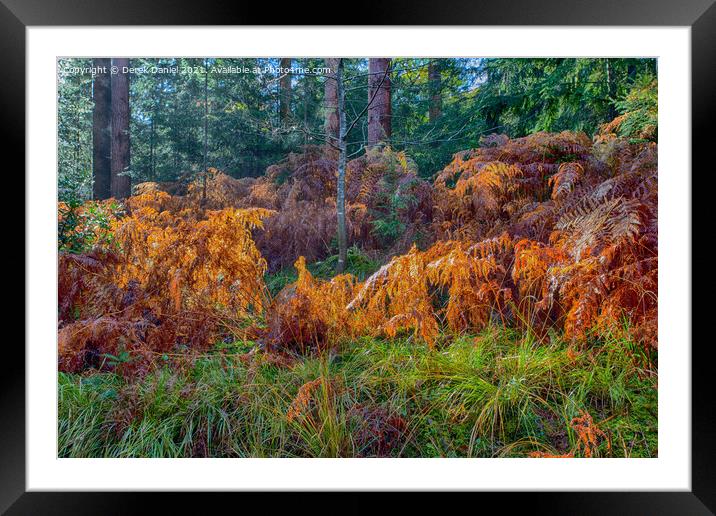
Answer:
(700, 15)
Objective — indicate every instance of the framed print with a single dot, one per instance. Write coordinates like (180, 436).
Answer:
(382, 257)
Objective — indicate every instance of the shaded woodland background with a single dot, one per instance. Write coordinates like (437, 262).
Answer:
(240, 123)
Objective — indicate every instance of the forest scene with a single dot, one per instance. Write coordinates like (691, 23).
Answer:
(357, 257)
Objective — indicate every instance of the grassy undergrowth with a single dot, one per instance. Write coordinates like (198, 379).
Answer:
(496, 394)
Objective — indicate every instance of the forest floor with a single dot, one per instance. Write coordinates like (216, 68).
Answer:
(495, 394)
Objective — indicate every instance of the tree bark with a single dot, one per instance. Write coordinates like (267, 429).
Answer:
(341, 189)
(330, 101)
(151, 148)
(102, 132)
(306, 96)
(379, 112)
(175, 143)
(206, 129)
(284, 85)
(435, 86)
(121, 183)
(153, 135)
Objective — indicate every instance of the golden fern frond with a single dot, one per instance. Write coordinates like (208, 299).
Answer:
(564, 181)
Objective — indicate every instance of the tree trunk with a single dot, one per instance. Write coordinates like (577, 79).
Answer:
(330, 102)
(435, 86)
(78, 137)
(151, 149)
(306, 96)
(284, 85)
(153, 136)
(174, 138)
(379, 113)
(341, 189)
(206, 129)
(121, 183)
(102, 132)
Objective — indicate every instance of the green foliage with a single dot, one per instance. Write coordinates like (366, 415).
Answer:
(74, 130)
(276, 281)
(357, 263)
(245, 132)
(388, 228)
(432, 143)
(522, 96)
(393, 197)
(82, 226)
(495, 394)
(640, 110)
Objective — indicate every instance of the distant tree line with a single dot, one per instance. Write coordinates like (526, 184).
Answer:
(161, 119)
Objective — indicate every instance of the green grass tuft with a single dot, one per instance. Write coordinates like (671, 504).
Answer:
(496, 394)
